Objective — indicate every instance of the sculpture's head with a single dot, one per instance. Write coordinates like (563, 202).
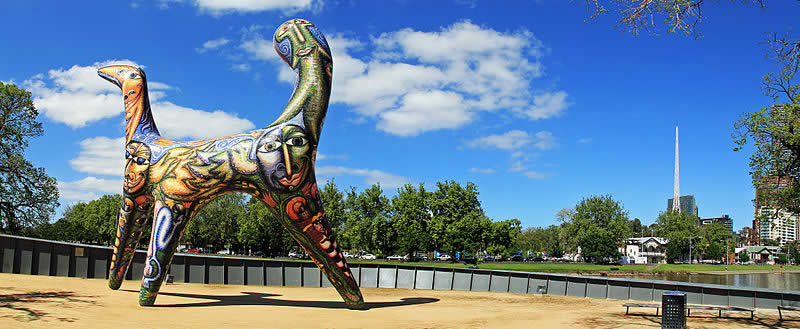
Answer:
(284, 156)
(137, 163)
(133, 83)
(298, 38)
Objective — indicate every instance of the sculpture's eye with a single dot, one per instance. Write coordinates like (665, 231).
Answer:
(133, 75)
(297, 141)
(140, 160)
(127, 155)
(271, 146)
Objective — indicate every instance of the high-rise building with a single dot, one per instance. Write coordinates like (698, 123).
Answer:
(687, 204)
(771, 223)
(724, 220)
(676, 189)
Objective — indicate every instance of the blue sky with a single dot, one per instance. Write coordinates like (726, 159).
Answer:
(533, 104)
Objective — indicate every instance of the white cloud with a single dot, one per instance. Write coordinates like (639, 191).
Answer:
(462, 69)
(547, 105)
(78, 97)
(174, 121)
(221, 7)
(242, 67)
(585, 140)
(425, 111)
(545, 140)
(212, 44)
(482, 170)
(511, 140)
(518, 165)
(322, 156)
(538, 175)
(89, 188)
(100, 156)
(371, 176)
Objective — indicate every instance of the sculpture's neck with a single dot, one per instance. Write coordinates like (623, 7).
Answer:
(311, 95)
(138, 116)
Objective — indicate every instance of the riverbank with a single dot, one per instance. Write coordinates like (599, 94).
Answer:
(612, 270)
(32, 301)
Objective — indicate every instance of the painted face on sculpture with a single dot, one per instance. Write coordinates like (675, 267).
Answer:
(137, 163)
(284, 156)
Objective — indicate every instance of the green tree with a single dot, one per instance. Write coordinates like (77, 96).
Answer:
(93, 222)
(678, 228)
(744, 257)
(368, 225)
(333, 203)
(28, 197)
(216, 224)
(782, 259)
(636, 227)
(259, 229)
(452, 203)
(715, 241)
(410, 215)
(501, 236)
(600, 226)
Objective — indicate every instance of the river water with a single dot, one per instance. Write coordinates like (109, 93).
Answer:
(783, 281)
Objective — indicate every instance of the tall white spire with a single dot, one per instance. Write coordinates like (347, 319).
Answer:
(676, 198)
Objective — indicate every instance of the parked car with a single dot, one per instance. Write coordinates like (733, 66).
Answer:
(444, 257)
(368, 256)
(296, 254)
(225, 252)
(347, 255)
(516, 258)
(258, 253)
(194, 251)
(396, 257)
(470, 260)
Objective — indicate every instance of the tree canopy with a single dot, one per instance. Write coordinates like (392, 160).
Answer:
(600, 227)
(28, 196)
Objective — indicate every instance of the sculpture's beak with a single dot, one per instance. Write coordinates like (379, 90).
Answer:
(113, 73)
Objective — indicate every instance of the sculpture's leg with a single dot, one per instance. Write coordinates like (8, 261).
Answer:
(169, 221)
(307, 224)
(132, 217)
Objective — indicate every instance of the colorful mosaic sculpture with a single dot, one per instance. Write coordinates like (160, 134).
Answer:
(171, 181)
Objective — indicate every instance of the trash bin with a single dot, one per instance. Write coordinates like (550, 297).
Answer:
(673, 306)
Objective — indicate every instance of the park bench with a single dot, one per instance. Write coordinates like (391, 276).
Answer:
(786, 308)
(702, 307)
(689, 309)
(644, 305)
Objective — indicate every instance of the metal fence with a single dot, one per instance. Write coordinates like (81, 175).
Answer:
(44, 257)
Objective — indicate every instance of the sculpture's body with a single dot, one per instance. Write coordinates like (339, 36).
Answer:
(172, 180)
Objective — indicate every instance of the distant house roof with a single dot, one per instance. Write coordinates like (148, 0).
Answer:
(758, 249)
(647, 239)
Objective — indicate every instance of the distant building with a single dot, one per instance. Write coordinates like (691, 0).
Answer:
(760, 254)
(772, 224)
(724, 220)
(687, 203)
(647, 250)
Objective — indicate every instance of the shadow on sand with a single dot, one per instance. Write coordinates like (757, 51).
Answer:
(23, 305)
(255, 298)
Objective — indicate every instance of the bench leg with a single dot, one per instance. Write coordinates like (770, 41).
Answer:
(779, 314)
(656, 311)
(720, 314)
(627, 309)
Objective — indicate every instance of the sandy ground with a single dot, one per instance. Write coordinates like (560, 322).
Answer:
(58, 302)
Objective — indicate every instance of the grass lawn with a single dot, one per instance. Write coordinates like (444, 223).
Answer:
(575, 268)
(591, 268)
(721, 267)
(526, 267)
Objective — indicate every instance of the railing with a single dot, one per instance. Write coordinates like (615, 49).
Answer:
(44, 257)
(652, 254)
